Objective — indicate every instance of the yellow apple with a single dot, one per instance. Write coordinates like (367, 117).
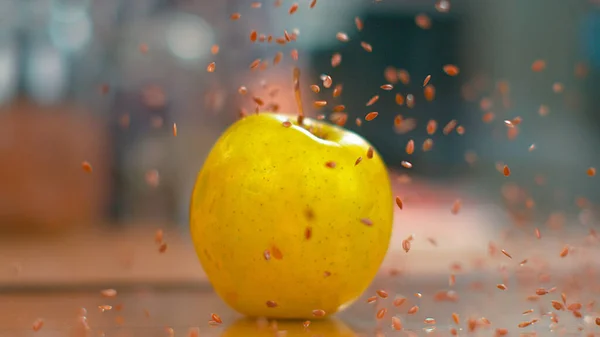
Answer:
(252, 328)
(286, 220)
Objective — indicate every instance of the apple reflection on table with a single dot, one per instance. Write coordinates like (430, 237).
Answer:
(247, 327)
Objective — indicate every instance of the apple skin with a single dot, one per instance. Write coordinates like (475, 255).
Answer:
(278, 231)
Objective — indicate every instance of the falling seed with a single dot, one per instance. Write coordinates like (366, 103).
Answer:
(271, 304)
(558, 88)
(367, 47)
(256, 5)
(174, 129)
(235, 16)
(506, 170)
(427, 144)
(460, 130)
(506, 254)
(456, 318)
(591, 171)
(456, 206)
(442, 6)
(538, 65)
(258, 101)
(531, 147)
(372, 100)
(313, 3)
(404, 76)
(399, 202)
(159, 236)
(429, 92)
(398, 120)
(214, 49)
(501, 286)
(255, 63)
(318, 313)
(565, 251)
(336, 59)
(293, 8)
(359, 24)
(426, 81)
(413, 310)
(343, 37)
(410, 101)
(410, 147)
(557, 305)
(211, 67)
(406, 164)
(370, 152)
(488, 117)
(429, 320)
(315, 88)
(451, 70)
(253, 36)
(381, 313)
(406, 245)
(367, 221)
(294, 54)
(277, 58)
(541, 291)
(319, 104)
(423, 21)
(543, 110)
(337, 91)
(358, 122)
(371, 116)
(308, 233)
(87, 167)
(397, 324)
(327, 82)
(431, 127)
(162, 248)
(399, 99)
(387, 87)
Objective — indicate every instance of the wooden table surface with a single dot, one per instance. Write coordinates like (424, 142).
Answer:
(52, 278)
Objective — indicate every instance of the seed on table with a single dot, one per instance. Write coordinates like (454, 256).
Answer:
(397, 323)
(109, 293)
(38, 324)
(382, 293)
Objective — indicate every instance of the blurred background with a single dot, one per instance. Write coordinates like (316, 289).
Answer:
(97, 85)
